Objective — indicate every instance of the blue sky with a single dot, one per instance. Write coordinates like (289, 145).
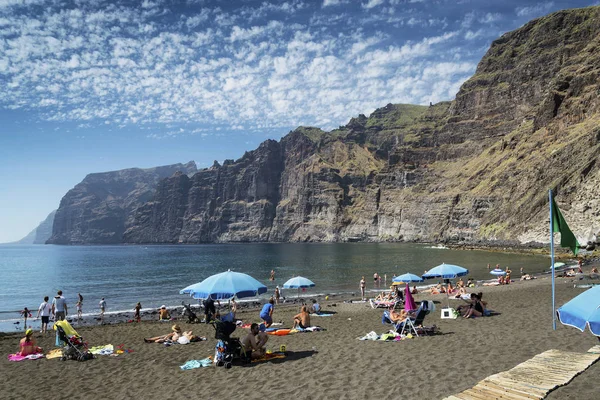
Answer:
(92, 85)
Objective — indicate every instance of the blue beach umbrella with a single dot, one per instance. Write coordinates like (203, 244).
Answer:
(298, 282)
(498, 272)
(582, 311)
(446, 271)
(406, 278)
(226, 285)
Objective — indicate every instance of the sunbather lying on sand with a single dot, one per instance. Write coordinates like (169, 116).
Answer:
(461, 292)
(438, 289)
(175, 336)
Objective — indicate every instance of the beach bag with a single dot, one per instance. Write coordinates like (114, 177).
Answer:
(222, 355)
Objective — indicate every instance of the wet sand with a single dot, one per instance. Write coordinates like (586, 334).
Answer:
(320, 365)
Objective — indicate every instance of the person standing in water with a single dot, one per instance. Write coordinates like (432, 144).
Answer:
(136, 316)
(272, 277)
(102, 305)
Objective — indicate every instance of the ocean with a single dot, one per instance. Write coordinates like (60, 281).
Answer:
(154, 275)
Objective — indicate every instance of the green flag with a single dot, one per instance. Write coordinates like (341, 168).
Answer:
(567, 239)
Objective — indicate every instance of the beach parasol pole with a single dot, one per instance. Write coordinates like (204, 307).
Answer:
(552, 260)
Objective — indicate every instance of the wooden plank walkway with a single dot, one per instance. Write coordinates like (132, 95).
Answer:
(532, 379)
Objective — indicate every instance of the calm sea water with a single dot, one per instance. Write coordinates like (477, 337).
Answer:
(154, 275)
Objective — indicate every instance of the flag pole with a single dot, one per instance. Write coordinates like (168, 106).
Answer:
(552, 260)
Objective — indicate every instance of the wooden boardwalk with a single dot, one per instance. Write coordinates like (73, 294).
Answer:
(534, 378)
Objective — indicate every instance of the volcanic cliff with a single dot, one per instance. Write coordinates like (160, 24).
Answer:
(476, 168)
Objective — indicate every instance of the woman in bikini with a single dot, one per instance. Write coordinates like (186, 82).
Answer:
(27, 344)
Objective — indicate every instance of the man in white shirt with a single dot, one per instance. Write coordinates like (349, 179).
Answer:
(59, 307)
(44, 311)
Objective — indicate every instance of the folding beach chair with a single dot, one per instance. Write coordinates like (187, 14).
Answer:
(409, 325)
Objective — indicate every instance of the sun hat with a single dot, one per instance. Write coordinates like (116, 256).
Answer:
(163, 306)
(28, 332)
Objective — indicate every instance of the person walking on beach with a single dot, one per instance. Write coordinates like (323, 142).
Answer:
(277, 294)
(102, 305)
(362, 287)
(44, 311)
(59, 307)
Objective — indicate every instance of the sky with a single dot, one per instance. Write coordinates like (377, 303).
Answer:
(93, 85)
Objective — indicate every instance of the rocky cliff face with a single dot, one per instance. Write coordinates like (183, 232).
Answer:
(41, 233)
(99, 208)
(476, 168)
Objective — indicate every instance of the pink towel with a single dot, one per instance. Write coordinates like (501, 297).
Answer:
(18, 357)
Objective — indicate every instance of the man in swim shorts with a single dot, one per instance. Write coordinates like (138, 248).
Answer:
(59, 306)
(255, 342)
(266, 314)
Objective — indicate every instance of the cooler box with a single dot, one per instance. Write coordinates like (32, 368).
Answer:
(448, 313)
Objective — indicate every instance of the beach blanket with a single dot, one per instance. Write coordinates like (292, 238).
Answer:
(193, 364)
(323, 314)
(56, 353)
(105, 350)
(307, 329)
(18, 357)
(269, 356)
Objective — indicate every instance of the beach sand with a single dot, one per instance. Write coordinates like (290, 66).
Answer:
(321, 365)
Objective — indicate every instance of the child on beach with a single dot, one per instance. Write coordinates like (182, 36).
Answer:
(136, 316)
(26, 314)
(79, 306)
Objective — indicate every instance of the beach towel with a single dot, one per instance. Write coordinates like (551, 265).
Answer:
(269, 356)
(18, 357)
(105, 350)
(192, 364)
(323, 314)
(280, 332)
(56, 353)
(370, 336)
(307, 329)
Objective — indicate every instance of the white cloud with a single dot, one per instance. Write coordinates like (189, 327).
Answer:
(372, 3)
(327, 3)
(116, 65)
(535, 10)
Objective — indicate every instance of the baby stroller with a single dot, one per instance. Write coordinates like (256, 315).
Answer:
(74, 348)
(189, 313)
(227, 349)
